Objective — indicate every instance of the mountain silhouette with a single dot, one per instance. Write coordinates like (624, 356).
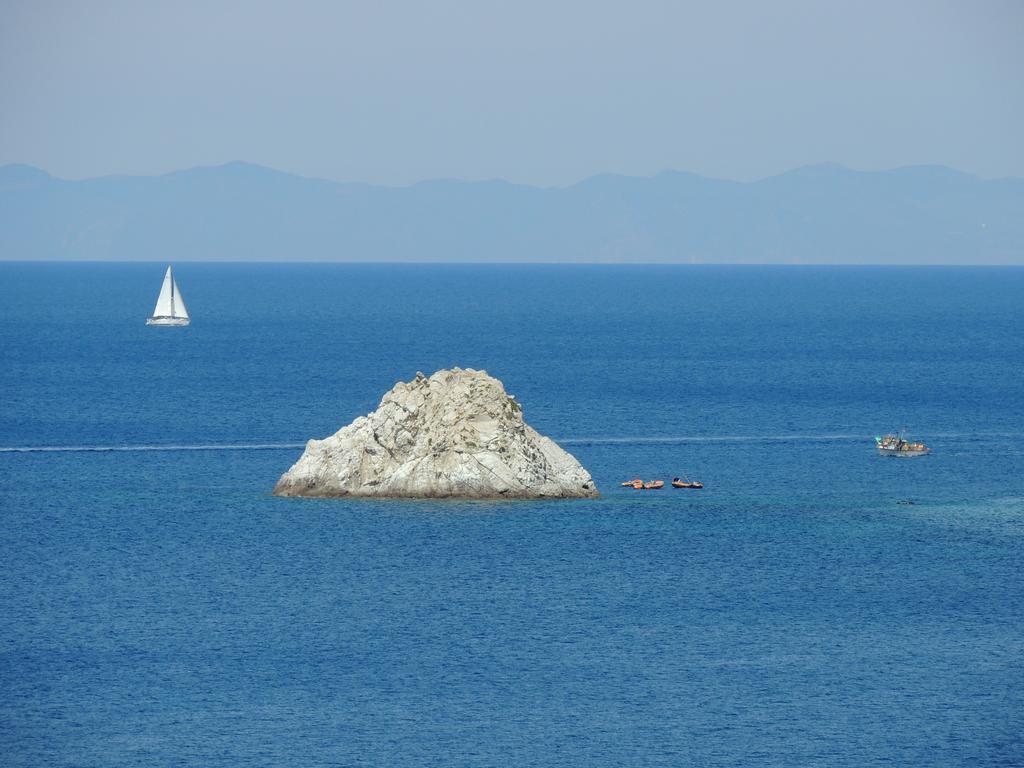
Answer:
(815, 214)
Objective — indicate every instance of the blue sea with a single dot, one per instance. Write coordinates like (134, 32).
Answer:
(814, 605)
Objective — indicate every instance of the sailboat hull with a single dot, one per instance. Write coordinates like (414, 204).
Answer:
(167, 321)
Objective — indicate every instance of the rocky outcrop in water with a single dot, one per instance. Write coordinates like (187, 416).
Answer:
(456, 434)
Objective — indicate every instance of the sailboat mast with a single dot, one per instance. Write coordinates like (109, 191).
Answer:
(172, 291)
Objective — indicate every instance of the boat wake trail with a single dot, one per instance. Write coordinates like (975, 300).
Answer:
(667, 440)
(706, 439)
(123, 448)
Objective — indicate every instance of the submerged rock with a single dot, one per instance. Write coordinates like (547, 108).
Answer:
(456, 434)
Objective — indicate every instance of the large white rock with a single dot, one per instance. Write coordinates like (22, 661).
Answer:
(456, 434)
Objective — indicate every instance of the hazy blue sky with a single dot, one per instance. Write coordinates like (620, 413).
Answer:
(538, 92)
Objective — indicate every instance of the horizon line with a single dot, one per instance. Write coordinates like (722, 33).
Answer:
(855, 265)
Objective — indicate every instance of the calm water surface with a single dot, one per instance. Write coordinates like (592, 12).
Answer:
(161, 608)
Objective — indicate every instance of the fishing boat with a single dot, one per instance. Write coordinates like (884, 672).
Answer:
(898, 445)
(654, 485)
(632, 483)
(170, 307)
(685, 483)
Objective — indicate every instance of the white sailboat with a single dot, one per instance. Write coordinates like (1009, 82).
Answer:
(170, 307)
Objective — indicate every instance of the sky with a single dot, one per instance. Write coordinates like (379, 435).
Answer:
(544, 93)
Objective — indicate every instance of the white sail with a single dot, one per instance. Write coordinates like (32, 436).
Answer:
(170, 307)
(177, 301)
(163, 302)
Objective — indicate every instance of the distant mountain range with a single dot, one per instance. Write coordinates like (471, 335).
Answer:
(238, 211)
